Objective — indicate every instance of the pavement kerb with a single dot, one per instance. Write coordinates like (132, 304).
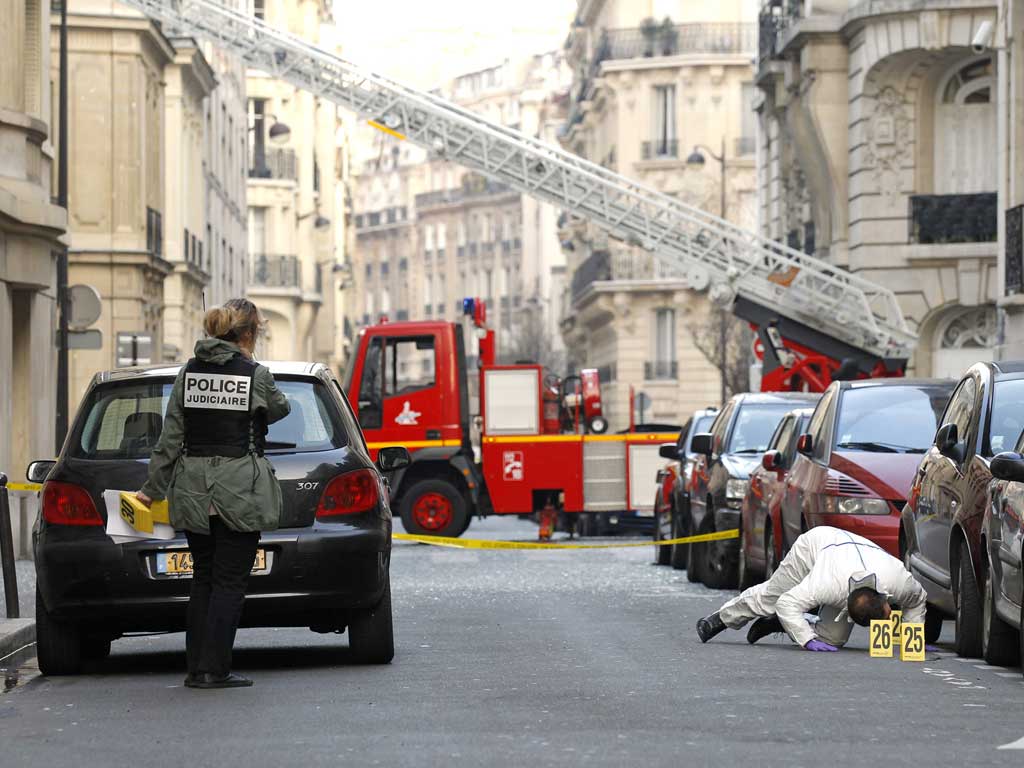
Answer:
(16, 634)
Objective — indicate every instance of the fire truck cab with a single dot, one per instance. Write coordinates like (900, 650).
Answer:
(410, 385)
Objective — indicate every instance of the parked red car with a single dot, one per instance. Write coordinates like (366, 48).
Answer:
(760, 517)
(857, 460)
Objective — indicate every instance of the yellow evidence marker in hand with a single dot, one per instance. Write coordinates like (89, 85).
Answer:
(139, 516)
(880, 644)
(912, 647)
(896, 617)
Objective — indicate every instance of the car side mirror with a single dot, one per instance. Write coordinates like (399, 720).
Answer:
(393, 458)
(1008, 466)
(947, 441)
(805, 444)
(702, 443)
(772, 461)
(669, 451)
(38, 471)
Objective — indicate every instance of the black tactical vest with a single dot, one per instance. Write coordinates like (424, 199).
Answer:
(219, 420)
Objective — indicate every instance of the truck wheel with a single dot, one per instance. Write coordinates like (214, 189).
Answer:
(58, 643)
(998, 639)
(371, 634)
(968, 608)
(434, 508)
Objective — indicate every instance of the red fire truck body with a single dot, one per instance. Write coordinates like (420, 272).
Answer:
(409, 382)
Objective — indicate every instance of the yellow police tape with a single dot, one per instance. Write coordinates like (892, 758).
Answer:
(33, 487)
(444, 541)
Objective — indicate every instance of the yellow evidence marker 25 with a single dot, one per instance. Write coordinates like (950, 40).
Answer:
(880, 644)
(912, 647)
(896, 617)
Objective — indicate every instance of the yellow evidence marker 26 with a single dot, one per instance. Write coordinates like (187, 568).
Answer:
(896, 617)
(880, 643)
(912, 647)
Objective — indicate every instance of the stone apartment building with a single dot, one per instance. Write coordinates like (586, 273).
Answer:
(296, 200)
(662, 93)
(882, 152)
(30, 228)
(156, 185)
(429, 233)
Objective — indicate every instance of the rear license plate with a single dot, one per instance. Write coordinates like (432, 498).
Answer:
(645, 513)
(180, 563)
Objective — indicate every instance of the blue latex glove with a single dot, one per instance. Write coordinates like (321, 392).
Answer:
(818, 645)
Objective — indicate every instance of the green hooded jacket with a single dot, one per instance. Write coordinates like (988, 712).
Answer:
(243, 491)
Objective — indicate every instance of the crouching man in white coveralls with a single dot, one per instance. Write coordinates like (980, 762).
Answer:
(842, 576)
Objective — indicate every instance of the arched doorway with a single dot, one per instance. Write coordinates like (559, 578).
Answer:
(967, 335)
(965, 129)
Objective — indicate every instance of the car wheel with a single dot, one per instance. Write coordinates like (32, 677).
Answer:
(95, 648)
(744, 576)
(998, 639)
(662, 555)
(371, 634)
(58, 643)
(933, 619)
(434, 508)
(770, 561)
(968, 608)
(680, 553)
(717, 567)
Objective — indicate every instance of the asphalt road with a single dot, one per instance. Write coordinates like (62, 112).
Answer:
(522, 658)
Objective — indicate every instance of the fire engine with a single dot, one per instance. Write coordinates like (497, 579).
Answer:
(541, 441)
(815, 321)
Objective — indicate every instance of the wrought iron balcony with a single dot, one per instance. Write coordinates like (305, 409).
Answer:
(673, 40)
(604, 266)
(1015, 250)
(660, 149)
(969, 218)
(274, 164)
(275, 271)
(775, 17)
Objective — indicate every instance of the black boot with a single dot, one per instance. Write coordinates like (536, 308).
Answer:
(206, 680)
(709, 626)
(764, 626)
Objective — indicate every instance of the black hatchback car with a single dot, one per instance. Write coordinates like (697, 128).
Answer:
(940, 528)
(326, 567)
(726, 457)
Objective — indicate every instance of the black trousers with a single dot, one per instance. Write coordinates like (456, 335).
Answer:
(222, 561)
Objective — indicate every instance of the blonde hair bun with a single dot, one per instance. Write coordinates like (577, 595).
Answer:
(233, 321)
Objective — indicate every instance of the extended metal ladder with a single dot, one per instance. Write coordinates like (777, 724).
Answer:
(710, 251)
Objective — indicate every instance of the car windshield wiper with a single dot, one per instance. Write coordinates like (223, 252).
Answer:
(748, 450)
(868, 445)
(279, 444)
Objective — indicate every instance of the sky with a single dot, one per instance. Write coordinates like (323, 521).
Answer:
(425, 42)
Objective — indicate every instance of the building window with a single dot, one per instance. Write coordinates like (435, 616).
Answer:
(965, 130)
(663, 365)
(257, 230)
(259, 9)
(664, 120)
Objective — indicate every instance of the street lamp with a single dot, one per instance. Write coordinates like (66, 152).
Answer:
(696, 161)
(279, 132)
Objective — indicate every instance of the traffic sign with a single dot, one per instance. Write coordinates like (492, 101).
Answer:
(85, 308)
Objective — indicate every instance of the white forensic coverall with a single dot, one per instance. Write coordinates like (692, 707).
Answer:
(823, 567)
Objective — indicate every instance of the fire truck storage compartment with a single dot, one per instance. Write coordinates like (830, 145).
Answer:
(604, 475)
(512, 400)
(515, 468)
(644, 463)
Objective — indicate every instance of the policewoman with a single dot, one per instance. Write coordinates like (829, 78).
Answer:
(221, 490)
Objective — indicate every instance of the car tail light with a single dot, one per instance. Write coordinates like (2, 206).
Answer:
(349, 494)
(69, 504)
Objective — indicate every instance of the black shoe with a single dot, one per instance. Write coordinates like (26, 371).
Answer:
(206, 680)
(709, 626)
(764, 626)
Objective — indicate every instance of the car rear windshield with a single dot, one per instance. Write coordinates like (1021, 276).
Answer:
(890, 419)
(755, 425)
(123, 420)
(1007, 419)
